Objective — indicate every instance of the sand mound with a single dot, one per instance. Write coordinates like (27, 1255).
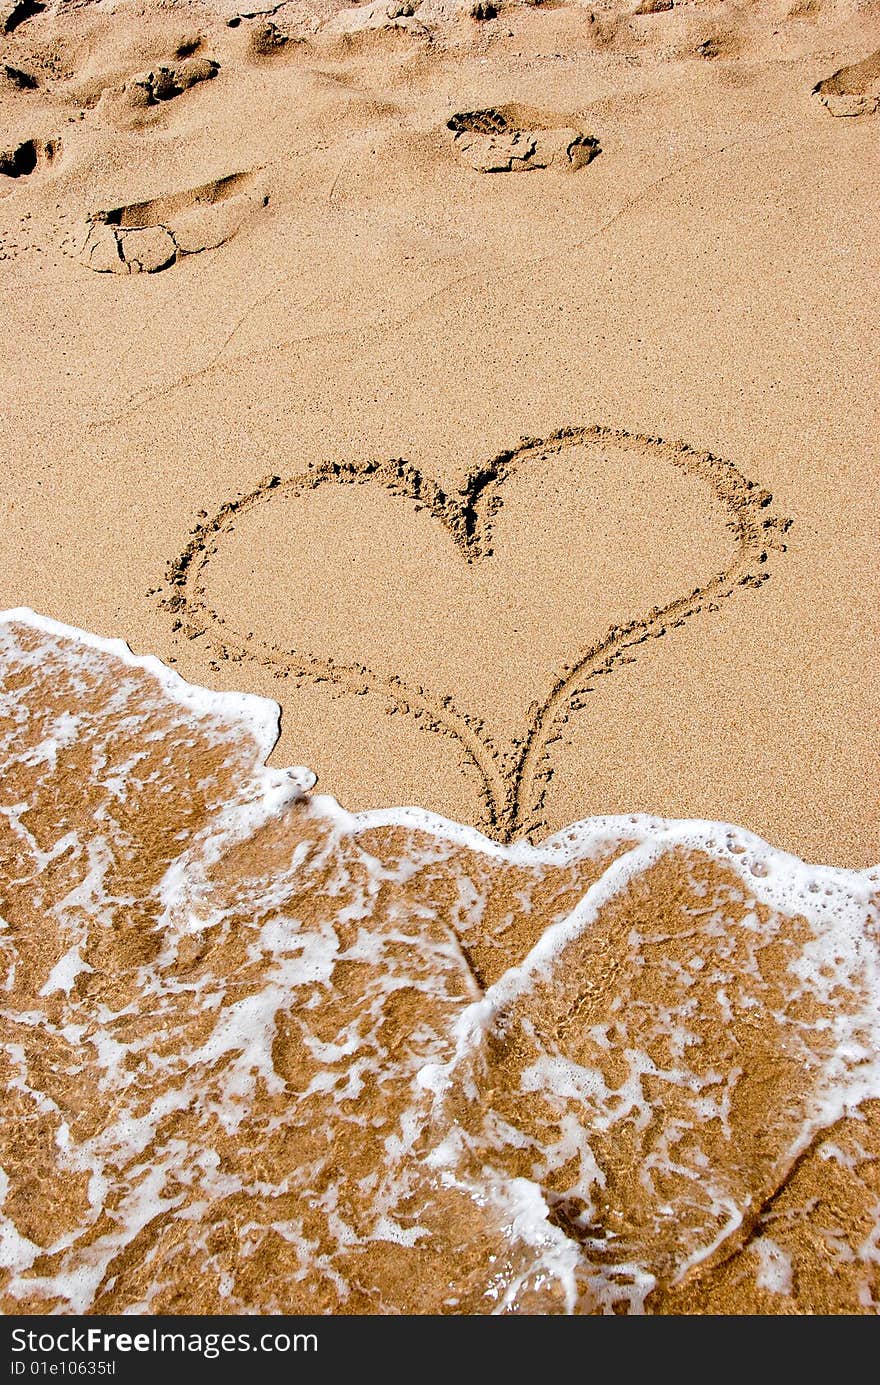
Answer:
(852, 90)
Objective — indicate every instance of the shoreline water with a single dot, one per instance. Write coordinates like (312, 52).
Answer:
(631, 994)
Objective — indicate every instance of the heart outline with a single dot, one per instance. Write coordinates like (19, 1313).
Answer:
(513, 781)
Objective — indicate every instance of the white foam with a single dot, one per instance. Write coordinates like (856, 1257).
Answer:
(774, 1266)
(260, 715)
(65, 972)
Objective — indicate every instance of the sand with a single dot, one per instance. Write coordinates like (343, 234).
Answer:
(708, 278)
(498, 395)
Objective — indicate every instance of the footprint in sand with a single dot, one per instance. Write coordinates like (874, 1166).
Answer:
(146, 90)
(15, 79)
(15, 12)
(144, 237)
(853, 90)
(515, 139)
(267, 41)
(20, 160)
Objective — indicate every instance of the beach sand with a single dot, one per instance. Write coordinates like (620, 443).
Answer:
(499, 397)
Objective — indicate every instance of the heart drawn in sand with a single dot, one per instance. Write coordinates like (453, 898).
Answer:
(458, 590)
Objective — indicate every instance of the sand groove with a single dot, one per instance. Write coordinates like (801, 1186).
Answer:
(513, 777)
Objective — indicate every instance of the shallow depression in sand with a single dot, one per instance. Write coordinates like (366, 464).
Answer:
(581, 541)
(491, 611)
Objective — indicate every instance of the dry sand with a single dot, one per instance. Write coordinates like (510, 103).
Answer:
(498, 395)
(708, 277)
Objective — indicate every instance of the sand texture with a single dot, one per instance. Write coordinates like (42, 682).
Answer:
(495, 388)
(237, 249)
